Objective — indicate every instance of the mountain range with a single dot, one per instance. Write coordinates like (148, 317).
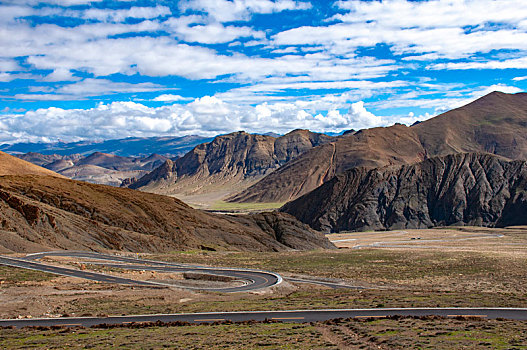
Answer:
(228, 163)
(136, 147)
(99, 168)
(242, 167)
(495, 124)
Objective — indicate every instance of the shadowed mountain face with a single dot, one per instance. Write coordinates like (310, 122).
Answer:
(471, 189)
(496, 123)
(227, 163)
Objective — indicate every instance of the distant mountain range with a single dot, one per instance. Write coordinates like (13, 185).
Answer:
(99, 168)
(130, 147)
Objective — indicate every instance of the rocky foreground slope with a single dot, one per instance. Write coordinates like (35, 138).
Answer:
(42, 212)
(461, 189)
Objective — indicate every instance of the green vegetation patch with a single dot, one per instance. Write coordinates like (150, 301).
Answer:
(11, 275)
(244, 207)
(385, 333)
(234, 336)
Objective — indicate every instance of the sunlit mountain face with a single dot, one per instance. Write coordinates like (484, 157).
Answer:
(78, 70)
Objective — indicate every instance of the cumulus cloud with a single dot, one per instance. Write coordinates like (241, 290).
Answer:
(169, 98)
(207, 115)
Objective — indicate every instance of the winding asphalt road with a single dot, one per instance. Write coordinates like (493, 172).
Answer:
(284, 316)
(252, 280)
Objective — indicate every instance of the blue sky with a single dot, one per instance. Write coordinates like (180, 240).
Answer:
(79, 69)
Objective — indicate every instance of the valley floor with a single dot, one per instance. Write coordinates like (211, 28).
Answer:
(452, 267)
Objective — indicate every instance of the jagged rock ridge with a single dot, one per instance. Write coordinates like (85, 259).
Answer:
(228, 162)
(461, 189)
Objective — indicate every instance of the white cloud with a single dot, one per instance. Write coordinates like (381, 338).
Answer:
(60, 74)
(63, 2)
(169, 98)
(235, 10)
(358, 115)
(207, 115)
(520, 78)
(120, 15)
(212, 33)
(437, 28)
(517, 63)
(5, 77)
(88, 87)
(7, 65)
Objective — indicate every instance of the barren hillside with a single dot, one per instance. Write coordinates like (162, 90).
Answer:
(461, 189)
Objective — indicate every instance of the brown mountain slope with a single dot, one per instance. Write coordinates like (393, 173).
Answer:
(471, 189)
(44, 159)
(10, 165)
(99, 168)
(43, 212)
(99, 175)
(228, 163)
(495, 123)
(371, 148)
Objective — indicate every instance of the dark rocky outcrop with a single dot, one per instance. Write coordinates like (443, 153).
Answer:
(461, 189)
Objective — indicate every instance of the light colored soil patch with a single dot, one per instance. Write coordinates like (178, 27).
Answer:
(512, 239)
